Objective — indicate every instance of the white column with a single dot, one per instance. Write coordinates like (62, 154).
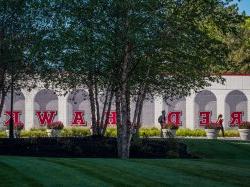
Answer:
(247, 93)
(190, 123)
(221, 102)
(221, 99)
(158, 104)
(62, 109)
(29, 109)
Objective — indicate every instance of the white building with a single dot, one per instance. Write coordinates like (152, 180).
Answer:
(41, 106)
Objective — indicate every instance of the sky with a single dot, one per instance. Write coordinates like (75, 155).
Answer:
(244, 5)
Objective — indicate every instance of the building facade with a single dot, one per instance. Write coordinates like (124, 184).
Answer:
(42, 106)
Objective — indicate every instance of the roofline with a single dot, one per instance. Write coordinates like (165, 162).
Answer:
(235, 74)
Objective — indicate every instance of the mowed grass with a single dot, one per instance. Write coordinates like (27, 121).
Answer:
(224, 163)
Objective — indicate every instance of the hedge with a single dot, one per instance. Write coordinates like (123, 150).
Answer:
(111, 132)
(92, 147)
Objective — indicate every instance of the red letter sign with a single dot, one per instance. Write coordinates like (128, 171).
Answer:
(204, 118)
(236, 118)
(174, 117)
(46, 117)
(78, 118)
(16, 117)
(112, 118)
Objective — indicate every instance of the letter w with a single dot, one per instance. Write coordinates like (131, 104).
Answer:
(46, 117)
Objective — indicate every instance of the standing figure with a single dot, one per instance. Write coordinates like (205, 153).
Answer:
(162, 120)
(219, 123)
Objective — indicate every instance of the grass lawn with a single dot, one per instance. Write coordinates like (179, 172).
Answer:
(224, 163)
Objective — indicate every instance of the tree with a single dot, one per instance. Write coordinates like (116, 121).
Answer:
(240, 55)
(167, 37)
(134, 48)
(16, 37)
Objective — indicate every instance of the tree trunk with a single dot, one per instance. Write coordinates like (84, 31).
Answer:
(92, 105)
(98, 129)
(3, 91)
(140, 108)
(104, 109)
(108, 112)
(125, 132)
(118, 123)
(3, 94)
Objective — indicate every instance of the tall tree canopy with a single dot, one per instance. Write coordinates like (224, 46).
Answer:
(17, 36)
(132, 48)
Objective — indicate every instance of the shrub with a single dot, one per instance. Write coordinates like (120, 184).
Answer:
(244, 125)
(3, 134)
(170, 126)
(57, 125)
(146, 132)
(212, 126)
(230, 133)
(33, 134)
(111, 132)
(189, 132)
(40, 129)
(19, 126)
(75, 132)
(143, 132)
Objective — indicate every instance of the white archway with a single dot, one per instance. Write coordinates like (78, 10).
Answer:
(205, 101)
(45, 100)
(176, 105)
(236, 101)
(78, 101)
(18, 106)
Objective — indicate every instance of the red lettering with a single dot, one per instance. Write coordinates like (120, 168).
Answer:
(46, 117)
(16, 117)
(112, 118)
(175, 118)
(78, 118)
(236, 118)
(205, 118)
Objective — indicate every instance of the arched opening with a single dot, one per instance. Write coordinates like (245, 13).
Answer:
(205, 108)
(175, 110)
(45, 107)
(18, 108)
(78, 108)
(236, 107)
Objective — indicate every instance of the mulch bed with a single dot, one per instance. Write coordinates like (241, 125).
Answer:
(91, 147)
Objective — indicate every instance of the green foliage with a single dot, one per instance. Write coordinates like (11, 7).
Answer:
(201, 133)
(230, 133)
(75, 132)
(3, 134)
(145, 132)
(38, 129)
(33, 134)
(111, 132)
(189, 132)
